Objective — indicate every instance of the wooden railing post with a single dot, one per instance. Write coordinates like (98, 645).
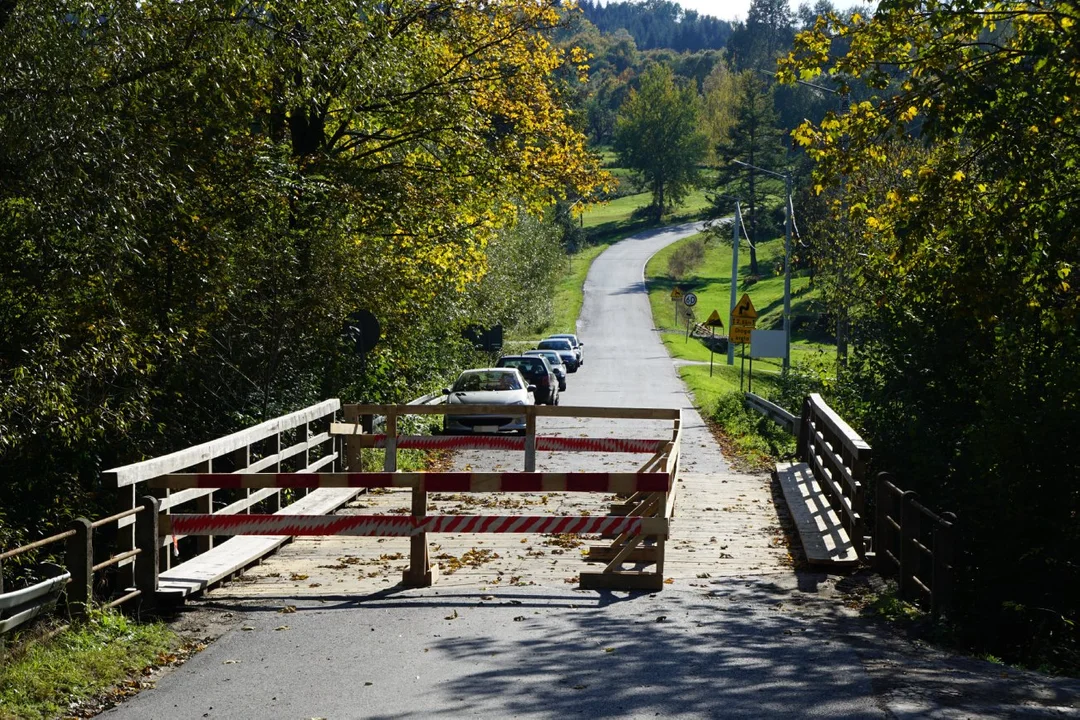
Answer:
(147, 541)
(882, 532)
(910, 555)
(80, 563)
(205, 506)
(945, 555)
(390, 461)
(275, 499)
(530, 442)
(420, 572)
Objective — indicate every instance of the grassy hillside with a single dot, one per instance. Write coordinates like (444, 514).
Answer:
(711, 282)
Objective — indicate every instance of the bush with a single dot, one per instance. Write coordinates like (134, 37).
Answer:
(685, 258)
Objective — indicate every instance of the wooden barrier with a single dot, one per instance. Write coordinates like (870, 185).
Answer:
(916, 545)
(838, 458)
(639, 525)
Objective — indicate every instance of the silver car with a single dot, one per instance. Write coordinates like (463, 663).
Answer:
(488, 386)
(579, 347)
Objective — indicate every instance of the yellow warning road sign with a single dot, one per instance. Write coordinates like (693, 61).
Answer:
(714, 320)
(676, 293)
(745, 308)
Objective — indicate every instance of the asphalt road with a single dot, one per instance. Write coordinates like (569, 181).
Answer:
(766, 646)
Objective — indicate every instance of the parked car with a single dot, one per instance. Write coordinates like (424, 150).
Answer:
(579, 347)
(538, 373)
(556, 363)
(565, 350)
(488, 386)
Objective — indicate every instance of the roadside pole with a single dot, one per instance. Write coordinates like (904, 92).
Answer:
(734, 278)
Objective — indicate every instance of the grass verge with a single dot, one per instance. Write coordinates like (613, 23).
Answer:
(81, 669)
(752, 441)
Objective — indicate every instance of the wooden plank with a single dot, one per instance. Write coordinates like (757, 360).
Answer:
(536, 410)
(232, 556)
(851, 440)
(623, 580)
(824, 539)
(146, 469)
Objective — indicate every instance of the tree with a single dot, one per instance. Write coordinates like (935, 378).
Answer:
(657, 136)
(767, 33)
(754, 139)
(193, 196)
(959, 184)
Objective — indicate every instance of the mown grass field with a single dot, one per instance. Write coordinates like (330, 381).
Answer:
(711, 282)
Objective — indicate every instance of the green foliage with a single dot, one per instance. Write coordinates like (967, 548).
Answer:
(193, 196)
(755, 139)
(754, 434)
(955, 185)
(658, 137)
(40, 678)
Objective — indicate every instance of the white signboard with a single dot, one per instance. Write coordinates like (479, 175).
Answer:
(689, 299)
(767, 344)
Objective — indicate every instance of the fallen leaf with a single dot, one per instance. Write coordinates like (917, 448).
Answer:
(247, 628)
(282, 627)
(288, 609)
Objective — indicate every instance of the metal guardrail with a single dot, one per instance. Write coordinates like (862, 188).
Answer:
(19, 606)
(774, 412)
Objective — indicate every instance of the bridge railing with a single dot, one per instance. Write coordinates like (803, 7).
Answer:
(910, 541)
(299, 441)
(916, 545)
(838, 458)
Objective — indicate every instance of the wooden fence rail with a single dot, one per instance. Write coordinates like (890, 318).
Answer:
(916, 545)
(120, 555)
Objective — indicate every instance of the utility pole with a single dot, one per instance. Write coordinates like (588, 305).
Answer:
(734, 280)
(787, 255)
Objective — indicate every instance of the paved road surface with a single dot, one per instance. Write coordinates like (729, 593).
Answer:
(319, 631)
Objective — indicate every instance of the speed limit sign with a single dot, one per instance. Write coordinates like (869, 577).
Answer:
(689, 299)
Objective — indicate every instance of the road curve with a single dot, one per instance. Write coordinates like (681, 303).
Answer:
(626, 363)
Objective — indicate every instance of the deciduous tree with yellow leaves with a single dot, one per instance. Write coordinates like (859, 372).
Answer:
(959, 183)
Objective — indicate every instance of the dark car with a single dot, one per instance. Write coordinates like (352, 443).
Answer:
(537, 372)
(556, 364)
(565, 350)
(579, 347)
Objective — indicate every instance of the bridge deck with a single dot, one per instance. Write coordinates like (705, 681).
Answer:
(725, 525)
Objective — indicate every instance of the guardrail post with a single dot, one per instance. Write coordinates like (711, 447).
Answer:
(530, 442)
(909, 552)
(941, 599)
(80, 563)
(147, 541)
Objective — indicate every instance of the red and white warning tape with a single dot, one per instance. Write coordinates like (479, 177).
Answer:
(398, 526)
(432, 482)
(501, 442)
